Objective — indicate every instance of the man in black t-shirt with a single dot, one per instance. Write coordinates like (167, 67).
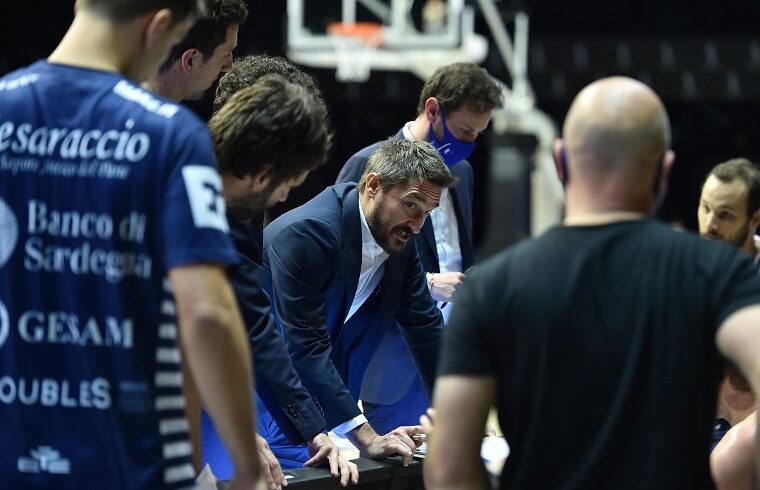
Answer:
(597, 340)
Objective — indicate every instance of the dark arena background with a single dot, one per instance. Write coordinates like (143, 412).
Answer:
(702, 58)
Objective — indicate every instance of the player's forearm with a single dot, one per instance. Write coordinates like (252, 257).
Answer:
(756, 459)
(464, 474)
(362, 436)
(218, 356)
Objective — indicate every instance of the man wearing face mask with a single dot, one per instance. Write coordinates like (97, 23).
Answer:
(454, 108)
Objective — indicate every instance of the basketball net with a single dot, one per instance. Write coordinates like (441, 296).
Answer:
(355, 46)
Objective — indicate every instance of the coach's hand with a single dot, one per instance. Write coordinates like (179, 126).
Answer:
(444, 285)
(398, 441)
(324, 452)
(270, 467)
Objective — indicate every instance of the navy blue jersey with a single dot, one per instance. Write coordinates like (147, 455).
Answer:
(104, 188)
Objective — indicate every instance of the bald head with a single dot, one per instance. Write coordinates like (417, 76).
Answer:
(617, 123)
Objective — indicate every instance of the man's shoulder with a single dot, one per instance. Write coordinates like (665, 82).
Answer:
(462, 169)
(155, 108)
(99, 96)
(21, 77)
(496, 264)
(354, 166)
(17, 87)
(326, 205)
(361, 156)
(652, 240)
(555, 240)
(706, 251)
(179, 135)
(123, 98)
(323, 211)
(365, 152)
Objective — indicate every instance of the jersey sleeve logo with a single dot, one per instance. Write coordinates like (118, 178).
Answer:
(44, 459)
(204, 191)
(5, 324)
(8, 232)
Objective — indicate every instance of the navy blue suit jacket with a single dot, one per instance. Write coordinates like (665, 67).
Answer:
(461, 195)
(312, 255)
(277, 382)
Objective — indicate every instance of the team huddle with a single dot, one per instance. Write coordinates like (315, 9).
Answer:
(152, 322)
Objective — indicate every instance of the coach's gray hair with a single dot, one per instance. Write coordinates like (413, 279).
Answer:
(403, 161)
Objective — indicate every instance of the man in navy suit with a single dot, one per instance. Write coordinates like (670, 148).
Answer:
(454, 108)
(341, 269)
(268, 136)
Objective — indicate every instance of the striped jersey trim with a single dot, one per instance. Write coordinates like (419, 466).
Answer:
(170, 403)
(174, 474)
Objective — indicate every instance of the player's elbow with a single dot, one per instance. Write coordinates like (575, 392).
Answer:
(437, 476)
(731, 476)
(454, 475)
(738, 338)
(732, 461)
(203, 319)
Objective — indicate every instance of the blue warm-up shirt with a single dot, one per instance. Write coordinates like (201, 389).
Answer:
(104, 188)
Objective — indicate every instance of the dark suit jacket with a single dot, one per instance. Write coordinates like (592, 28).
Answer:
(277, 382)
(312, 255)
(461, 195)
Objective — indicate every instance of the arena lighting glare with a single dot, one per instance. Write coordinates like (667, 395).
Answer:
(393, 43)
(403, 48)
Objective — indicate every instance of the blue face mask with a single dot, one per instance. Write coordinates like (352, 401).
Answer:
(451, 149)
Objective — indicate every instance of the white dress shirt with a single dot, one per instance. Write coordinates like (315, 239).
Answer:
(446, 230)
(370, 274)
(445, 227)
(372, 268)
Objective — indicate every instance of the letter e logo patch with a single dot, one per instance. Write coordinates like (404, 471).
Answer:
(204, 190)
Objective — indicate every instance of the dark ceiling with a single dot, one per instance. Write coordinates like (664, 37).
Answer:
(703, 58)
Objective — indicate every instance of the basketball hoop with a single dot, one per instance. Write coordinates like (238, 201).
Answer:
(355, 46)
